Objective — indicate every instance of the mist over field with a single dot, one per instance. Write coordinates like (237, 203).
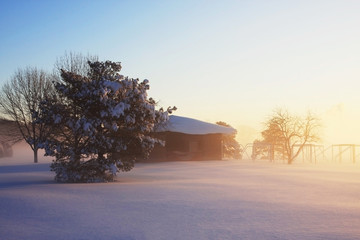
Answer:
(22, 153)
(228, 199)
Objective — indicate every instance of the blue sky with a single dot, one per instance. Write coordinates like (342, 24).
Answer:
(233, 61)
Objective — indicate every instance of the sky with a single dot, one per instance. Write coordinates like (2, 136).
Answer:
(232, 61)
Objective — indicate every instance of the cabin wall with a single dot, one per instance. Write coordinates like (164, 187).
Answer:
(185, 147)
(212, 146)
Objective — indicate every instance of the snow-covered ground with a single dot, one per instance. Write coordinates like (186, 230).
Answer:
(183, 200)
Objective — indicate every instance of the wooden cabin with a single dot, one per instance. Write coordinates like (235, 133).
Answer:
(189, 139)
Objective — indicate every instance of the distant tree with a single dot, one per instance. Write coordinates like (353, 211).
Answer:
(268, 148)
(73, 62)
(285, 132)
(231, 148)
(20, 97)
(103, 123)
(9, 135)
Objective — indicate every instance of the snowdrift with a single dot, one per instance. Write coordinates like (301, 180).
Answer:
(183, 200)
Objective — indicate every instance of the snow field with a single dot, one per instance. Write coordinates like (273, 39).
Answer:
(184, 200)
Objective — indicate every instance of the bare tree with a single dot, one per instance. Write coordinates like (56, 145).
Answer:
(76, 63)
(20, 98)
(285, 132)
(9, 135)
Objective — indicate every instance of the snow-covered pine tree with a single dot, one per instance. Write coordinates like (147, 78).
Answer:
(102, 123)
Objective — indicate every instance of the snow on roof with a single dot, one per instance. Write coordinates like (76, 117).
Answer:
(193, 126)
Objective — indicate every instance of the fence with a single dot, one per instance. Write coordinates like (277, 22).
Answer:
(336, 153)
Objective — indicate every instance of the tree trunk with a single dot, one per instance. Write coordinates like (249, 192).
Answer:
(36, 155)
(290, 155)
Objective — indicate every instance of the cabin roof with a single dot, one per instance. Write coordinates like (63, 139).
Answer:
(193, 126)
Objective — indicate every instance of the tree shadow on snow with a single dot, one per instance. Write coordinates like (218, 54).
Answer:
(17, 176)
(35, 167)
(24, 183)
